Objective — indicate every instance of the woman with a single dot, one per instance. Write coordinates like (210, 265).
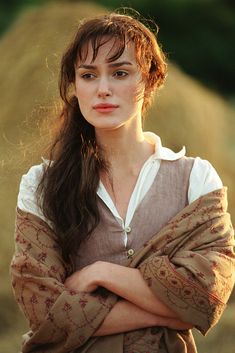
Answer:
(122, 245)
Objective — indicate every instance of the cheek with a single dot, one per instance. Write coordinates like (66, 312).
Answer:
(82, 102)
(83, 97)
(134, 91)
(81, 89)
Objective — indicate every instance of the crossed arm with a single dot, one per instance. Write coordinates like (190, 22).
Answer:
(138, 306)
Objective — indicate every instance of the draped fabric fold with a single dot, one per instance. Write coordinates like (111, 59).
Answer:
(60, 320)
(189, 264)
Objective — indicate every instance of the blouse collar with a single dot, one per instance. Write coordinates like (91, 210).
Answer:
(160, 151)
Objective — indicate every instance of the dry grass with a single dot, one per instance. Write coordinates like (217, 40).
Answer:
(184, 113)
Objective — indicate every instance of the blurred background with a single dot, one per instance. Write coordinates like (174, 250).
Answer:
(196, 108)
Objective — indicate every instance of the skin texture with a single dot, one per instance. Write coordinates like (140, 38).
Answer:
(120, 134)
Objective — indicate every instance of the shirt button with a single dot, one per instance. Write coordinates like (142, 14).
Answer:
(130, 252)
(128, 229)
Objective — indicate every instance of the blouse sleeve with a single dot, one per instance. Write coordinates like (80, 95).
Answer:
(203, 179)
(27, 200)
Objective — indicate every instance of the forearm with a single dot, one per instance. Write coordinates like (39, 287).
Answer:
(126, 316)
(129, 284)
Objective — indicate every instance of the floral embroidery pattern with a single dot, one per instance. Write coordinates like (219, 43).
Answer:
(54, 313)
(189, 264)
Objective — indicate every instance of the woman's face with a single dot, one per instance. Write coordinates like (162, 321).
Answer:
(110, 95)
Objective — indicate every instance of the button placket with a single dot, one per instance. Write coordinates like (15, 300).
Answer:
(128, 229)
(130, 253)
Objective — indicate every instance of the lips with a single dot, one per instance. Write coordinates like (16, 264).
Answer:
(105, 107)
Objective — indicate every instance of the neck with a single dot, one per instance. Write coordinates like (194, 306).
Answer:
(125, 148)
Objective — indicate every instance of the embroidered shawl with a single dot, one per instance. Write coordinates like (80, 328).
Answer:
(189, 264)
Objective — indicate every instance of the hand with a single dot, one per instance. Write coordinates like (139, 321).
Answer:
(86, 279)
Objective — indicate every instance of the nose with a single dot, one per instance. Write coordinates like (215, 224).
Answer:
(104, 89)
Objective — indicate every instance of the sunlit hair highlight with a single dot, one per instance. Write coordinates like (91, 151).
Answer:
(122, 29)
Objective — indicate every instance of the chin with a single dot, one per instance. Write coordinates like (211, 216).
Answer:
(108, 127)
(111, 126)
(107, 123)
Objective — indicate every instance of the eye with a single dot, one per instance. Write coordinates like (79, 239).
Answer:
(120, 73)
(87, 76)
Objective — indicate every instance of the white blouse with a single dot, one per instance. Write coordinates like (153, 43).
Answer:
(203, 179)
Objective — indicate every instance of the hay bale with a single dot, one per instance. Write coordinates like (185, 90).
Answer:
(184, 112)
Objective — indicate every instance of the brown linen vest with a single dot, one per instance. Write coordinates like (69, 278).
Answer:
(167, 195)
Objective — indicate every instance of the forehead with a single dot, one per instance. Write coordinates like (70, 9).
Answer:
(108, 50)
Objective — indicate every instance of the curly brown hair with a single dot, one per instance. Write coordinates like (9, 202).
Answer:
(71, 178)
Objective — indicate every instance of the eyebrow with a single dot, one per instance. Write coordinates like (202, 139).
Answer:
(93, 67)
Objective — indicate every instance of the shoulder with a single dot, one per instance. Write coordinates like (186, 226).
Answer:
(33, 176)
(27, 196)
(29, 181)
(203, 179)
